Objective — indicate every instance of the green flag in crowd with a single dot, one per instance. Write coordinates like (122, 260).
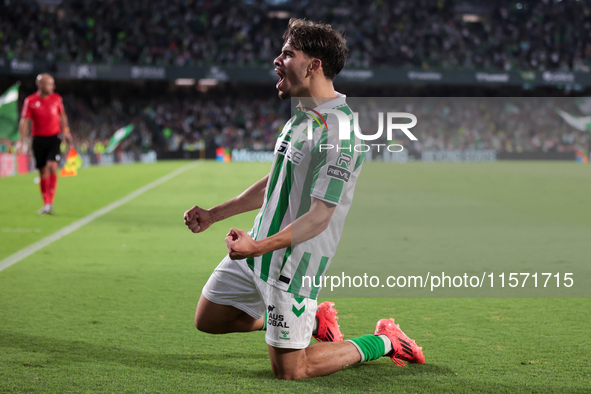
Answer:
(582, 123)
(119, 136)
(9, 114)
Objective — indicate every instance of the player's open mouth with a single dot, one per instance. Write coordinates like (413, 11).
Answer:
(281, 78)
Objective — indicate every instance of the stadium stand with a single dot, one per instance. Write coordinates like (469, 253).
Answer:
(425, 35)
(500, 34)
(191, 121)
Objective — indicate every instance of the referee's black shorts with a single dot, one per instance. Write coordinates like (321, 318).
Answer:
(46, 149)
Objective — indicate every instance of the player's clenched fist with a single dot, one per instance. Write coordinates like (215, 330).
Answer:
(198, 219)
(240, 245)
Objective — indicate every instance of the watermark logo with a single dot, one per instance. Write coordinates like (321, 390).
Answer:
(318, 115)
(385, 122)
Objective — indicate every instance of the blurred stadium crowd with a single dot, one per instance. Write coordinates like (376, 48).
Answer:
(427, 34)
(522, 35)
(181, 124)
(505, 125)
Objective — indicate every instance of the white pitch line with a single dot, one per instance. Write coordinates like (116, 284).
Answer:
(29, 250)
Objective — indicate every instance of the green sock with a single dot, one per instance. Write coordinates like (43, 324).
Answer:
(370, 347)
(264, 323)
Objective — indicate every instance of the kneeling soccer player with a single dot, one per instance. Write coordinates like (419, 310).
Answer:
(303, 203)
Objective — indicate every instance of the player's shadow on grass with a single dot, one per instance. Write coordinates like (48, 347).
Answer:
(65, 352)
(409, 370)
(372, 370)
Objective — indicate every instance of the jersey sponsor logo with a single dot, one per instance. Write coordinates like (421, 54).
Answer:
(292, 154)
(270, 308)
(338, 173)
(276, 320)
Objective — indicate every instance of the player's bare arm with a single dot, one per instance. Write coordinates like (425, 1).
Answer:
(240, 245)
(198, 219)
(65, 128)
(23, 128)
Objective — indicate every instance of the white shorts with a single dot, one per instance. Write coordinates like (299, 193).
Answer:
(290, 319)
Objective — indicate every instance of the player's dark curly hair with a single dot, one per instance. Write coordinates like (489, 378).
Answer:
(320, 41)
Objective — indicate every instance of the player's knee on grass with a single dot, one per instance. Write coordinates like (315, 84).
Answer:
(289, 374)
(288, 364)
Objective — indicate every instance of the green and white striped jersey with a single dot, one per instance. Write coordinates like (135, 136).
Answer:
(323, 167)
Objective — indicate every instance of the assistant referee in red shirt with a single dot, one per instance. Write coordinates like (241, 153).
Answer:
(45, 111)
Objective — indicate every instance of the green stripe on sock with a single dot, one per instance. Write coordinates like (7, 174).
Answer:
(371, 346)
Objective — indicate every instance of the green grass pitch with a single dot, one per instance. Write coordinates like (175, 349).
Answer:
(109, 308)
